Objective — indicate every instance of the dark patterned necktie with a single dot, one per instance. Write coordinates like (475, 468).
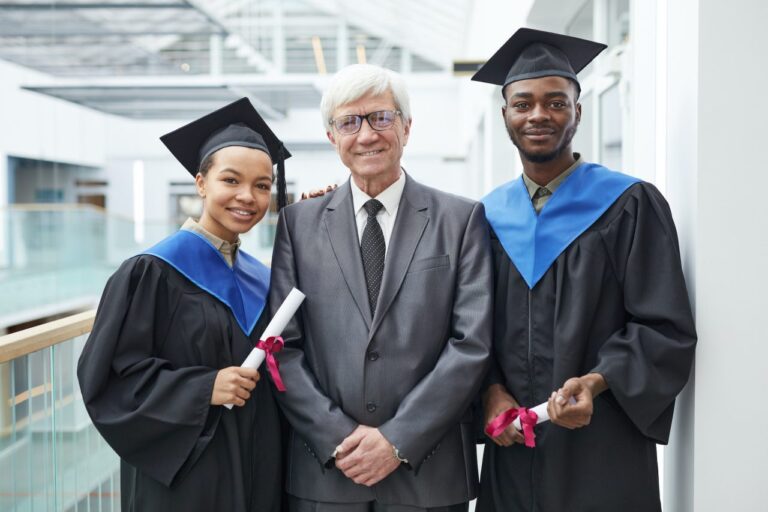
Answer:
(372, 248)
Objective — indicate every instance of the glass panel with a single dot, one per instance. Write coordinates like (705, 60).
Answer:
(610, 128)
(51, 456)
(65, 255)
(582, 141)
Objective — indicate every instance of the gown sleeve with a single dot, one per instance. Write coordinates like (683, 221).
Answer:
(153, 413)
(648, 361)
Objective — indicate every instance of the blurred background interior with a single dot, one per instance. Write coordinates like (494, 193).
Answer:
(88, 86)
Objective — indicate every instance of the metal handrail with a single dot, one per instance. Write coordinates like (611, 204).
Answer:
(46, 335)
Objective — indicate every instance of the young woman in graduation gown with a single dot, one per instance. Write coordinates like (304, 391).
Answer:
(172, 328)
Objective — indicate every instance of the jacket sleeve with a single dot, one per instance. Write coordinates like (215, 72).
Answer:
(319, 420)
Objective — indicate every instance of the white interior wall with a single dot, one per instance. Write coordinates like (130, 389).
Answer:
(37, 126)
(682, 169)
(491, 157)
(718, 455)
(730, 461)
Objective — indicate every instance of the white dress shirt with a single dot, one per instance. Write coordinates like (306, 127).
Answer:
(390, 198)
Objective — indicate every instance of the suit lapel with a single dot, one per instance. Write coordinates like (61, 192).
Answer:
(340, 223)
(409, 227)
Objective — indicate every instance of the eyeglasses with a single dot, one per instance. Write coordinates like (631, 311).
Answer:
(381, 120)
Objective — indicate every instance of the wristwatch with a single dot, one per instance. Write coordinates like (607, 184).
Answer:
(397, 456)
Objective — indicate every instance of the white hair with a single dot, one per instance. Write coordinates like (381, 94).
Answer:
(357, 80)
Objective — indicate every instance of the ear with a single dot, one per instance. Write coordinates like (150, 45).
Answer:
(504, 111)
(200, 185)
(578, 113)
(331, 138)
(406, 131)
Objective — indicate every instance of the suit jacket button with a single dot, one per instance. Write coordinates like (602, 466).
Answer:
(373, 355)
(370, 406)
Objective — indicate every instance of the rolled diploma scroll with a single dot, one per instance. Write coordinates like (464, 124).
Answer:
(275, 328)
(541, 412)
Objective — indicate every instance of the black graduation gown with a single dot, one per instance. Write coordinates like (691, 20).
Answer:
(614, 302)
(146, 375)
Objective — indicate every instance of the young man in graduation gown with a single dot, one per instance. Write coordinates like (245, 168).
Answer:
(591, 309)
(389, 348)
(172, 328)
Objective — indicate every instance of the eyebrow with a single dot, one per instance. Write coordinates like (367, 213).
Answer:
(551, 94)
(240, 175)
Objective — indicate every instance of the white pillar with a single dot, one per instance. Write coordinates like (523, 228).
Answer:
(716, 183)
(680, 185)
(216, 54)
(342, 44)
(278, 39)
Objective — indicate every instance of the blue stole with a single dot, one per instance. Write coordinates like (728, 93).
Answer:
(242, 288)
(533, 242)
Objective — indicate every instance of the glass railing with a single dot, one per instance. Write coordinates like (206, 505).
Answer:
(56, 258)
(51, 456)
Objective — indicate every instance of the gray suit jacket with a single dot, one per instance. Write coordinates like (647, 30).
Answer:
(412, 370)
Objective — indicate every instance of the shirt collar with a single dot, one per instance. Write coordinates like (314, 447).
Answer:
(220, 244)
(389, 197)
(532, 186)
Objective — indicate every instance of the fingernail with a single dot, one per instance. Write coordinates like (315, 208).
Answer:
(560, 399)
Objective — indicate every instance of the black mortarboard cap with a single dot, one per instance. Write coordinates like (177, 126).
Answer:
(236, 124)
(533, 53)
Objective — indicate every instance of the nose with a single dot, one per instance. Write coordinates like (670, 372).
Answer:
(245, 195)
(366, 133)
(538, 114)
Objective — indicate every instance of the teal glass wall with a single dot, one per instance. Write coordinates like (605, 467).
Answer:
(51, 456)
(58, 257)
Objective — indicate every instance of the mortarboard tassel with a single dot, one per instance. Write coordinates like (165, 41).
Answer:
(282, 195)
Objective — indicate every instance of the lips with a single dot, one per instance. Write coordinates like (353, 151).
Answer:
(538, 135)
(242, 213)
(370, 153)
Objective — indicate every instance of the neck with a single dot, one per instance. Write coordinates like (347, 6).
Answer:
(544, 172)
(216, 229)
(375, 185)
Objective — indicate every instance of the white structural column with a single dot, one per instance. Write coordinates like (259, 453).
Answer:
(718, 459)
(216, 51)
(342, 44)
(680, 45)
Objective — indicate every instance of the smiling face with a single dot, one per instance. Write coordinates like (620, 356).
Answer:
(371, 155)
(541, 115)
(236, 191)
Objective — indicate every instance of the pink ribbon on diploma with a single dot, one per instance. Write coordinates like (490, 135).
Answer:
(528, 420)
(272, 346)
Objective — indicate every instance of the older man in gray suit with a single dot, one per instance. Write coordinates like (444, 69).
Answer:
(388, 350)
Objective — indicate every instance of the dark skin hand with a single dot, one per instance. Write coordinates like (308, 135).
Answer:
(570, 407)
(496, 400)
(568, 414)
